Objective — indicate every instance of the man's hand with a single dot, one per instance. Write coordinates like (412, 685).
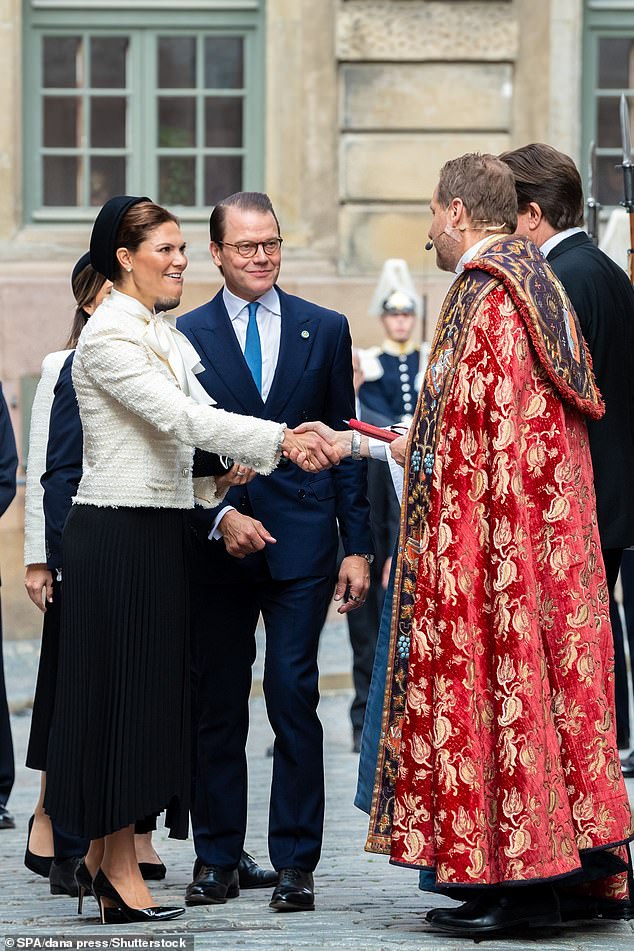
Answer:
(385, 576)
(309, 451)
(397, 448)
(354, 577)
(242, 534)
(38, 582)
(340, 439)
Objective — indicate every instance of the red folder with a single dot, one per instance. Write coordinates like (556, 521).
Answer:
(375, 432)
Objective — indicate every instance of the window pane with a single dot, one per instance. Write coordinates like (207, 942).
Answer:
(61, 180)
(107, 178)
(223, 122)
(616, 63)
(176, 122)
(62, 122)
(224, 67)
(108, 122)
(223, 176)
(610, 187)
(608, 123)
(108, 55)
(60, 66)
(177, 181)
(177, 62)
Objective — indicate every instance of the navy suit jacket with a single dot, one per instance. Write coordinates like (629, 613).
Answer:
(313, 381)
(603, 298)
(63, 462)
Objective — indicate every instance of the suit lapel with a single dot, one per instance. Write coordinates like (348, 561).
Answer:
(298, 332)
(224, 359)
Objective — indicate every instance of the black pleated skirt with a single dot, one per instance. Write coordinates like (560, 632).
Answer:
(118, 748)
(44, 698)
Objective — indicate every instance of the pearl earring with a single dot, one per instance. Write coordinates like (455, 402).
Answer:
(129, 270)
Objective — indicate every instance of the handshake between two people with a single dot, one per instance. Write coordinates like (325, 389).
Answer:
(308, 453)
(313, 446)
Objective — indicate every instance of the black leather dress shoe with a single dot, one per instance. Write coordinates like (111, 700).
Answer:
(588, 908)
(213, 886)
(62, 876)
(627, 765)
(503, 909)
(252, 875)
(295, 891)
(6, 819)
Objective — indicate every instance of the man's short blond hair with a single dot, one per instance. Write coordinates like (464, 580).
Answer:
(487, 189)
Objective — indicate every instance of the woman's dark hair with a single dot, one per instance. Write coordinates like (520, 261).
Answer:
(137, 223)
(86, 285)
(245, 201)
(551, 180)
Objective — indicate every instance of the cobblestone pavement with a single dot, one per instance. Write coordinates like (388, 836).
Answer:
(363, 904)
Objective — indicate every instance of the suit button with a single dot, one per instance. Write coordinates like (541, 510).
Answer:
(185, 472)
(301, 494)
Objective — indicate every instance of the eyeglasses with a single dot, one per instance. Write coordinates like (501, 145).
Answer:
(248, 249)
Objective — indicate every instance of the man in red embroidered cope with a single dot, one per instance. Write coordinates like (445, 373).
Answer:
(498, 772)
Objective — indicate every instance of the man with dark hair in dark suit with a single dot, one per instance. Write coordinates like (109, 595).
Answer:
(8, 467)
(550, 201)
(270, 548)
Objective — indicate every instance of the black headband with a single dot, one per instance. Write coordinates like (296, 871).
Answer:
(83, 262)
(103, 240)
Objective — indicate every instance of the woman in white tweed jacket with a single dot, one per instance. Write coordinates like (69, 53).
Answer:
(119, 747)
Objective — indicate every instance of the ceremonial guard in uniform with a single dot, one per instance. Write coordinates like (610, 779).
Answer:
(387, 396)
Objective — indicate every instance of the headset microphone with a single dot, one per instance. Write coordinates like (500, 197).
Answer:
(429, 246)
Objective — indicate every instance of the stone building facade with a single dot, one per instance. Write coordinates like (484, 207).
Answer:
(348, 109)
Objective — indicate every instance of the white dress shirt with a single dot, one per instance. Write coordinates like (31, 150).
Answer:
(269, 321)
(556, 239)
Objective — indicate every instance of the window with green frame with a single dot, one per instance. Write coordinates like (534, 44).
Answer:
(608, 71)
(169, 110)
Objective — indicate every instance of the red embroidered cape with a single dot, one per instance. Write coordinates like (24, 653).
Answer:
(498, 759)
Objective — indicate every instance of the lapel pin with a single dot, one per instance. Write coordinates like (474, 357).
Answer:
(305, 334)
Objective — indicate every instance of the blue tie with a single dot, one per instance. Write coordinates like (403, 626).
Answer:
(252, 347)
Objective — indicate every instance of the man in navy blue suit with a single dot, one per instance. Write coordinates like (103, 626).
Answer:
(270, 548)
(8, 466)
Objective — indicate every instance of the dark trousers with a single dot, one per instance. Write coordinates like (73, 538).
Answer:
(224, 619)
(363, 628)
(612, 561)
(621, 680)
(7, 764)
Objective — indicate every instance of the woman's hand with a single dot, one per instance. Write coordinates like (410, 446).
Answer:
(236, 475)
(38, 581)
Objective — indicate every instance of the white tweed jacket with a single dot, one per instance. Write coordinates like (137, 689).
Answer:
(140, 428)
(34, 546)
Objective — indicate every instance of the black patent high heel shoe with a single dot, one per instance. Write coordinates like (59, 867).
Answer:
(153, 871)
(40, 864)
(84, 884)
(102, 888)
(83, 878)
